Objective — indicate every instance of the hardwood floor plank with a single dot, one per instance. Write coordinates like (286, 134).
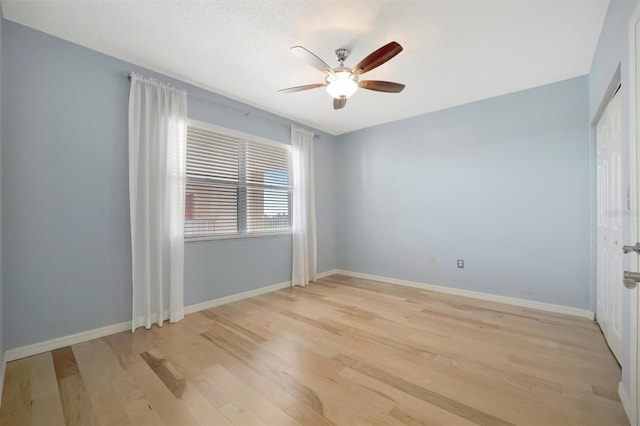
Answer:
(140, 412)
(343, 402)
(306, 396)
(225, 321)
(165, 372)
(610, 394)
(343, 350)
(342, 330)
(260, 383)
(108, 384)
(303, 357)
(203, 410)
(240, 415)
(46, 407)
(408, 408)
(306, 415)
(127, 346)
(16, 396)
(261, 364)
(65, 363)
(588, 413)
(161, 400)
(76, 404)
(223, 388)
(441, 401)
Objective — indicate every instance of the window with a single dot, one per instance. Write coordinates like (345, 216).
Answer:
(236, 184)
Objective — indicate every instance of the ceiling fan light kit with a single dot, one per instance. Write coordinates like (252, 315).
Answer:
(342, 82)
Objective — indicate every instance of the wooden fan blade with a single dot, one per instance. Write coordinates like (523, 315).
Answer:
(377, 58)
(339, 103)
(311, 59)
(381, 86)
(301, 88)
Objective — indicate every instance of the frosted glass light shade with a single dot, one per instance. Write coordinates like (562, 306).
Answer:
(343, 85)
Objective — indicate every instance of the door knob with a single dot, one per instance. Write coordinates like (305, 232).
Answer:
(631, 279)
(629, 249)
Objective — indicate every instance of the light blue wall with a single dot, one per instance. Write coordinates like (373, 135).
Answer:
(611, 54)
(65, 203)
(610, 66)
(501, 183)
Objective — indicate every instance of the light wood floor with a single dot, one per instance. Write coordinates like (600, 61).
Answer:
(342, 351)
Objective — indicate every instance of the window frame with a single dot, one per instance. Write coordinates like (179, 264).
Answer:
(242, 234)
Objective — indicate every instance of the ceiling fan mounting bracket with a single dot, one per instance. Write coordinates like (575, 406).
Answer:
(342, 55)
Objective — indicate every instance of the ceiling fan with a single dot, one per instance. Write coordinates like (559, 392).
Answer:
(342, 82)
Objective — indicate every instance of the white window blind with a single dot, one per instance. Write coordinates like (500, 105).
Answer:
(235, 185)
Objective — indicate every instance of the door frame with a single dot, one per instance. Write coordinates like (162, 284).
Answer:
(630, 402)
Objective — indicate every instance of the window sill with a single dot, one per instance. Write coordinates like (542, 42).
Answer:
(237, 237)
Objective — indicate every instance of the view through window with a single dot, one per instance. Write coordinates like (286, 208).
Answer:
(236, 185)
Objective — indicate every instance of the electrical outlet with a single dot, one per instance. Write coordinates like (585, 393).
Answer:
(460, 263)
(433, 260)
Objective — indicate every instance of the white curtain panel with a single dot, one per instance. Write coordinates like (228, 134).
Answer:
(157, 162)
(304, 207)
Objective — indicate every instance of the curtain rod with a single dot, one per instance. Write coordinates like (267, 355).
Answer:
(247, 114)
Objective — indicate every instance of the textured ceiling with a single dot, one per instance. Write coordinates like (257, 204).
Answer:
(455, 51)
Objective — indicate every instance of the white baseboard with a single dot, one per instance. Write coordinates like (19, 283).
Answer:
(325, 274)
(72, 339)
(246, 294)
(568, 310)
(624, 398)
(61, 342)
(234, 297)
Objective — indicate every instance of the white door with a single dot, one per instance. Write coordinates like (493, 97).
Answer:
(631, 371)
(609, 225)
